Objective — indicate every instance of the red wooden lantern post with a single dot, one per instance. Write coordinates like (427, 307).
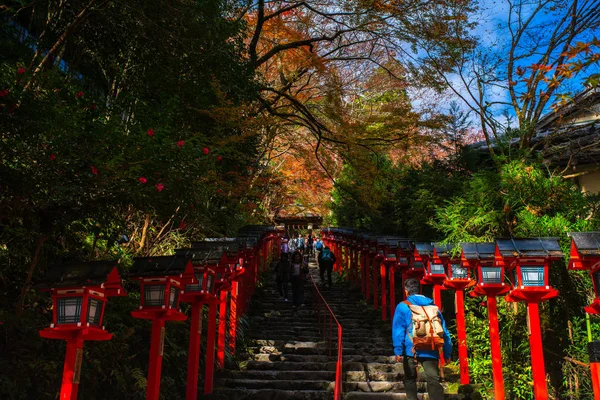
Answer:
(161, 281)
(458, 278)
(378, 246)
(490, 283)
(197, 294)
(585, 256)
(403, 249)
(355, 249)
(371, 280)
(79, 295)
(435, 271)
(388, 260)
(364, 259)
(529, 260)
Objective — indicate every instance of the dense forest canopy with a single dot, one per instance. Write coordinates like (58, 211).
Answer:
(132, 127)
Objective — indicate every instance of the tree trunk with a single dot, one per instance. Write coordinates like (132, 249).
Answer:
(36, 257)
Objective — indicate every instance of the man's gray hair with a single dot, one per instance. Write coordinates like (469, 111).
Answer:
(412, 286)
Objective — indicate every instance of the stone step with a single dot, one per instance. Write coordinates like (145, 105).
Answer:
(277, 375)
(389, 396)
(318, 350)
(296, 384)
(360, 358)
(291, 365)
(269, 394)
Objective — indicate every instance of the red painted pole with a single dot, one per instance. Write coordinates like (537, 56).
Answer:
(382, 274)
(210, 349)
(363, 261)
(437, 296)
(71, 369)
(233, 315)
(368, 266)
(376, 263)
(155, 363)
(495, 348)
(461, 328)
(595, 369)
(392, 293)
(191, 392)
(222, 329)
(538, 370)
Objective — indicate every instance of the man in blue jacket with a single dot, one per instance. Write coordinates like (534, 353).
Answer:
(403, 345)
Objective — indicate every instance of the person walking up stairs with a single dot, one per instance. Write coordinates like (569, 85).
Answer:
(288, 359)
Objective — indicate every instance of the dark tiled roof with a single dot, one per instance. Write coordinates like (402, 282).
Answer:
(478, 251)
(588, 243)
(77, 274)
(443, 250)
(424, 249)
(529, 247)
(158, 266)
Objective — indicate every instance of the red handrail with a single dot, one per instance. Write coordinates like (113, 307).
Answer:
(326, 316)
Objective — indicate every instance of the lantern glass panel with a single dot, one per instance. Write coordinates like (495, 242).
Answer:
(418, 265)
(437, 269)
(391, 256)
(173, 297)
(69, 310)
(94, 311)
(210, 282)
(491, 275)
(596, 278)
(533, 275)
(154, 295)
(196, 287)
(459, 272)
(403, 260)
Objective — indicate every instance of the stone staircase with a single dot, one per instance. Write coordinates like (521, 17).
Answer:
(289, 359)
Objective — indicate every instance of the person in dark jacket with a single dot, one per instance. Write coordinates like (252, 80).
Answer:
(282, 275)
(298, 271)
(326, 261)
(403, 345)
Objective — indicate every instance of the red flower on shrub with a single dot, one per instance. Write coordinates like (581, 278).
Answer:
(94, 106)
(206, 150)
(182, 225)
(142, 179)
(21, 71)
(159, 187)
(94, 170)
(79, 94)
(180, 143)
(150, 132)
(220, 158)
(3, 92)
(52, 157)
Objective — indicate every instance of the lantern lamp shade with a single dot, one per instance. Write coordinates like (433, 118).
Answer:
(436, 268)
(458, 271)
(491, 275)
(417, 265)
(532, 275)
(69, 310)
(154, 294)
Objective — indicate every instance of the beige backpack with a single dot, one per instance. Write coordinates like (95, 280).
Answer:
(427, 332)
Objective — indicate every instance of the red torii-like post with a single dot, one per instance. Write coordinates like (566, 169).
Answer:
(161, 282)
(403, 249)
(490, 283)
(79, 295)
(528, 261)
(585, 256)
(458, 278)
